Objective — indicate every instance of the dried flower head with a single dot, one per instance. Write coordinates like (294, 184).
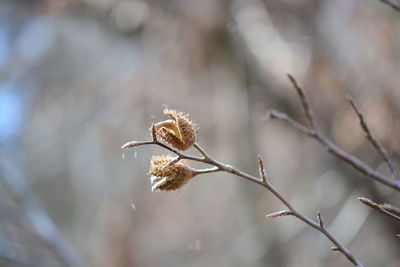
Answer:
(179, 131)
(171, 178)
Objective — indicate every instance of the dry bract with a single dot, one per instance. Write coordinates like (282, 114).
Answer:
(171, 178)
(179, 131)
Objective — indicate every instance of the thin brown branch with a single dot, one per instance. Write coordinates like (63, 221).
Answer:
(332, 147)
(371, 138)
(378, 207)
(320, 220)
(208, 170)
(304, 101)
(218, 166)
(318, 226)
(274, 114)
(279, 214)
(392, 3)
(201, 151)
(391, 208)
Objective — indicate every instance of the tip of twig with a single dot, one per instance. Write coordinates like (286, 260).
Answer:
(353, 103)
(267, 116)
(291, 79)
(153, 132)
(261, 167)
(320, 220)
(366, 201)
(349, 98)
(128, 145)
(334, 248)
(260, 161)
(279, 214)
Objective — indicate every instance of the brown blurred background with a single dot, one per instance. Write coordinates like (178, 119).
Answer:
(79, 78)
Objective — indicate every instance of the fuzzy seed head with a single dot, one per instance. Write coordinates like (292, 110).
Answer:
(179, 131)
(171, 178)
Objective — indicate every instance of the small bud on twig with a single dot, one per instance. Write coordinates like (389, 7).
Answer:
(261, 168)
(320, 220)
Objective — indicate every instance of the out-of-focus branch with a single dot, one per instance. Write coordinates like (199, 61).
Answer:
(319, 226)
(332, 147)
(391, 208)
(378, 207)
(393, 3)
(36, 217)
(381, 150)
(218, 166)
(304, 102)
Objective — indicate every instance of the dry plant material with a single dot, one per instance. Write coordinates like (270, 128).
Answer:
(170, 173)
(171, 178)
(178, 131)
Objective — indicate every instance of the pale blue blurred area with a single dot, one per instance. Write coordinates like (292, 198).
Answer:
(10, 112)
(35, 38)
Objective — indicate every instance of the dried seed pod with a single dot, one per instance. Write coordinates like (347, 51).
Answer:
(171, 178)
(179, 131)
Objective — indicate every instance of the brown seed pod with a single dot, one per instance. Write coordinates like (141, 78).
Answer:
(171, 178)
(179, 131)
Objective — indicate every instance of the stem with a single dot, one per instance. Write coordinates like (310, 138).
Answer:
(208, 170)
(218, 166)
(378, 207)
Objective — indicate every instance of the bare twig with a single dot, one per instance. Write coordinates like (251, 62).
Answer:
(392, 3)
(279, 214)
(304, 102)
(332, 147)
(261, 168)
(391, 208)
(320, 220)
(318, 226)
(379, 208)
(381, 150)
(218, 166)
(208, 170)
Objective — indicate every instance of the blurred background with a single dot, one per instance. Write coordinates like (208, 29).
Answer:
(80, 78)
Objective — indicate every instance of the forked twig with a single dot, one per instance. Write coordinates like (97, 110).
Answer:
(218, 166)
(334, 149)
